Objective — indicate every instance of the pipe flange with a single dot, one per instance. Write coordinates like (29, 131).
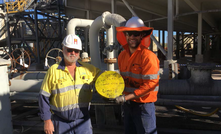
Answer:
(86, 59)
(110, 60)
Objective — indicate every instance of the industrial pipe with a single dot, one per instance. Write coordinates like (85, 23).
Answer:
(5, 106)
(25, 85)
(29, 75)
(73, 23)
(106, 19)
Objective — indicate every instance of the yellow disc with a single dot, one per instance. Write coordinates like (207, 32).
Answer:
(109, 84)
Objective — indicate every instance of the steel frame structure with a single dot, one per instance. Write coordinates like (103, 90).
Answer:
(43, 25)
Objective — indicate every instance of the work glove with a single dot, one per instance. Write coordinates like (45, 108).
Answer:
(120, 99)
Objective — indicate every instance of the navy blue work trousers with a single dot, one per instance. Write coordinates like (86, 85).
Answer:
(139, 118)
(79, 126)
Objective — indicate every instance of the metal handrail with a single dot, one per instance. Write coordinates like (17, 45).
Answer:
(17, 5)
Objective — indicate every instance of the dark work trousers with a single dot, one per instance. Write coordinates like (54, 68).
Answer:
(139, 118)
(79, 126)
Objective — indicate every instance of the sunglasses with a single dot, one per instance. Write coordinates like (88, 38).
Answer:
(130, 33)
(71, 50)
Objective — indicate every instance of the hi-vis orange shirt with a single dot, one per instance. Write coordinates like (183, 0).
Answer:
(140, 71)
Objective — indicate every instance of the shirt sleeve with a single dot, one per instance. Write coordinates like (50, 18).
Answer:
(150, 75)
(44, 95)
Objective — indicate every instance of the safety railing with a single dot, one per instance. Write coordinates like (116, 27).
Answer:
(17, 5)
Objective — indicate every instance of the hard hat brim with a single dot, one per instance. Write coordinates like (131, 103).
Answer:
(72, 47)
(141, 29)
(146, 38)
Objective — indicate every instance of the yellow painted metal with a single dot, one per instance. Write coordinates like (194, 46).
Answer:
(17, 5)
(109, 84)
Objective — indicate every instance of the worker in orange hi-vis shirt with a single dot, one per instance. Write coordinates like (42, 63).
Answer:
(139, 68)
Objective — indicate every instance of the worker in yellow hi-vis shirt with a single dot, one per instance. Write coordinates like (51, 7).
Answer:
(67, 92)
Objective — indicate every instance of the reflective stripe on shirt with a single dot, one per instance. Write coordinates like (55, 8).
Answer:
(69, 107)
(45, 93)
(131, 89)
(140, 76)
(71, 87)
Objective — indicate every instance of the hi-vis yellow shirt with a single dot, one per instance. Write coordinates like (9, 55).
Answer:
(68, 98)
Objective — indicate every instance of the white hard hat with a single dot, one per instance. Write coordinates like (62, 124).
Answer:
(72, 41)
(134, 22)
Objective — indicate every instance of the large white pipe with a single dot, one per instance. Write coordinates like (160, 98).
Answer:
(25, 85)
(113, 20)
(75, 22)
(110, 41)
(5, 106)
(106, 19)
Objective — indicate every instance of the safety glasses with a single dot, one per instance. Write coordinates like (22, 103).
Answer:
(71, 50)
(135, 33)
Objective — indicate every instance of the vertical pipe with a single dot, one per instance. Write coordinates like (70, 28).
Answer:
(170, 30)
(177, 7)
(86, 29)
(113, 6)
(59, 20)
(36, 33)
(8, 33)
(5, 105)
(194, 46)
(110, 55)
(113, 38)
(199, 45)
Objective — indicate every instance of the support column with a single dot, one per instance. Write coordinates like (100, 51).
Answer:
(182, 45)
(207, 49)
(177, 45)
(170, 30)
(36, 33)
(194, 47)
(199, 56)
(59, 21)
(163, 39)
(169, 61)
(157, 50)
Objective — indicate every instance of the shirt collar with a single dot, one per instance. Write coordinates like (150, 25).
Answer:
(62, 64)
